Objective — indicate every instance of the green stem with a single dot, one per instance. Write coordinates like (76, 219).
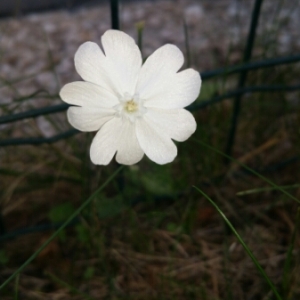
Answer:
(187, 44)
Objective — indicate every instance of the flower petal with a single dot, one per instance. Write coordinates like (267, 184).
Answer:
(116, 135)
(123, 58)
(178, 124)
(129, 149)
(157, 145)
(89, 119)
(91, 65)
(87, 94)
(179, 91)
(157, 69)
(105, 142)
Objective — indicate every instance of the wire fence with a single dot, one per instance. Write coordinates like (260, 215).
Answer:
(236, 94)
(242, 70)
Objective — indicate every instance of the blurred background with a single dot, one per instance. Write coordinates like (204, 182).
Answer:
(20, 7)
(149, 234)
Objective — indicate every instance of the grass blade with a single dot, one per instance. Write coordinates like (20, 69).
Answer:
(249, 252)
(187, 44)
(16, 296)
(71, 288)
(266, 189)
(249, 169)
(288, 262)
(56, 233)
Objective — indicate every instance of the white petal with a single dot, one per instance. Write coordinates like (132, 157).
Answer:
(179, 91)
(179, 124)
(91, 65)
(89, 119)
(105, 143)
(129, 149)
(157, 145)
(87, 94)
(116, 135)
(123, 59)
(158, 68)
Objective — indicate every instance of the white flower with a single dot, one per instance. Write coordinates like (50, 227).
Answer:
(135, 108)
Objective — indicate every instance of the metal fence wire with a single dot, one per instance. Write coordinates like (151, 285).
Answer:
(242, 70)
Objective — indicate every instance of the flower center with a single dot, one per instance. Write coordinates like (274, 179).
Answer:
(130, 107)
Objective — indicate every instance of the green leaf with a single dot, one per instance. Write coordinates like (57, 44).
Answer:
(82, 233)
(172, 227)
(60, 212)
(3, 258)
(159, 181)
(208, 90)
(89, 273)
(109, 207)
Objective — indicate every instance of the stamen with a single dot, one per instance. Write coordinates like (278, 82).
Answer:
(131, 106)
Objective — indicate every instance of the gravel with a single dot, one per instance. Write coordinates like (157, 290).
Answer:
(42, 46)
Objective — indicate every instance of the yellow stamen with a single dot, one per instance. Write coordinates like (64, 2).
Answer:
(131, 106)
